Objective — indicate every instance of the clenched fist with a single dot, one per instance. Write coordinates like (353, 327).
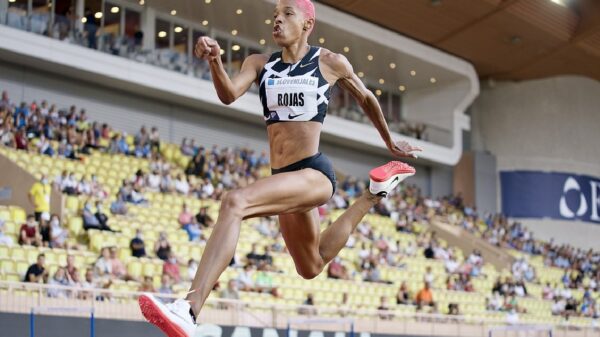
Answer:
(207, 49)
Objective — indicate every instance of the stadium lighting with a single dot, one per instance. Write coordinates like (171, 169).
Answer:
(205, 23)
(239, 11)
(234, 32)
(346, 49)
(114, 10)
(413, 73)
(222, 51)
(360, 74)
(370, 57)
(162, 34)
(178, 29)
(142, 2)
(560, 2)
(268, 21)
(321, 40)
(12, 0)
(207, 1)
(262, 41)
(378, 92)
(98, 15)
(83, 19)
(381, 81)
(392, 65)
(402, 88)
(433, 80)
(173, 12)
(235, 47)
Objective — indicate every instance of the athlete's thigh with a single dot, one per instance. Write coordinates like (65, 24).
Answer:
(301, 232)
(289, 192)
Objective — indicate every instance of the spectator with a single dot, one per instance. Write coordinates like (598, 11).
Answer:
(71, 269)
(39, 196)
(29, 234)
(37, 272)
(90, 28)
(147, 285)
(103, 265)
(165, 286)
(203, 218)
(231, 292)
(453, 309)
(253, 257)
(119, 206)
(336, 270)
(428, 277)
(60, 279)
(263, 282)
(403, 294)
(87, 284)
(102, 217)
(192, 268)
(384, 309)
(44, 229)
(424, 297)
(307, 307)
(182, 185)
(5, 240)
(153, 181)
(90, 220)
(245, 278)
(58, 234)
(118, 269)
(137, 245)
(185, 217)
(162, 247)
(171, 268)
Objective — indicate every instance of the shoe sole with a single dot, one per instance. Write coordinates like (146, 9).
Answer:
(154, 315)
(379, 174)
(384, 186)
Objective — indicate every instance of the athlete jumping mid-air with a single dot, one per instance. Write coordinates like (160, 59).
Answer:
(295, 86)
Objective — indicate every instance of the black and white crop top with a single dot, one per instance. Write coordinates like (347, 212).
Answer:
(294, 92)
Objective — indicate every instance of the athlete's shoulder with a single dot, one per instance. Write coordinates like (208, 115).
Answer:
(257, 59)
(337, 63)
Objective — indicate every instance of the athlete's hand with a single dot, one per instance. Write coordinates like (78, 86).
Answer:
(403, 149)
(207, 49)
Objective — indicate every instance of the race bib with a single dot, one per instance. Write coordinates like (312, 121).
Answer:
(292, 98)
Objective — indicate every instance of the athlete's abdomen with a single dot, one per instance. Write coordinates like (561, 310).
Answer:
(290, 142)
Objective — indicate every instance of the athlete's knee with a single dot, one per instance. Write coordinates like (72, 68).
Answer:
(234, 201)
(309, 272)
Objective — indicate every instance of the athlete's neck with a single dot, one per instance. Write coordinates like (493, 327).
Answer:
(295, 52)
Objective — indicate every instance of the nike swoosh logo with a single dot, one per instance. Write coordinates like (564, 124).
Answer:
(290, 116)
(305, 65)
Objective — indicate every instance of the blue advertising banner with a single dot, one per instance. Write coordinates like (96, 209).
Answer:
(564, 196)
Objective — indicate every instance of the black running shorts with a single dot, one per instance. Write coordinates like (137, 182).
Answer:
(318, 162)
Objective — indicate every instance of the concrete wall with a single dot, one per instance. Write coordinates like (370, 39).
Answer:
(16, 183)
(543, 125)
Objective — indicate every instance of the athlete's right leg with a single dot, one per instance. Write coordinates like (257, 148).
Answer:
(281, 193)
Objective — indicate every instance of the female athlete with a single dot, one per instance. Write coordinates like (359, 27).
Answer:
(294, 89)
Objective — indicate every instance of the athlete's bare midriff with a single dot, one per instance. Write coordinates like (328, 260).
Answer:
(290, 142)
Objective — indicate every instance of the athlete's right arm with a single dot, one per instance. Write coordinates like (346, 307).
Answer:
(228, 89)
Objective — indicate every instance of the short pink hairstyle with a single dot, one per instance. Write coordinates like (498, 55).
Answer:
(308, 8)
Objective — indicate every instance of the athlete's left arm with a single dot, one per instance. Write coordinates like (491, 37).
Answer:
(338, 67)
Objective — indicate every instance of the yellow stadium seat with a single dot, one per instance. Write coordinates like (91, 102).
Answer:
(22, 267)
(7, 267)
(17, 214)
(134, 268)
(5, 215)
(75, 225)
(11, 228)
(18, 254)
(72, 204)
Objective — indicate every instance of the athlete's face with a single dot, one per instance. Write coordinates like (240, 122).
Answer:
(289, 23)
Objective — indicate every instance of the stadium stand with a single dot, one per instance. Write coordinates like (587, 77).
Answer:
(137, 211)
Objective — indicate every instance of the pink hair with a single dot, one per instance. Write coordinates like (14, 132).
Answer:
(308, 8)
